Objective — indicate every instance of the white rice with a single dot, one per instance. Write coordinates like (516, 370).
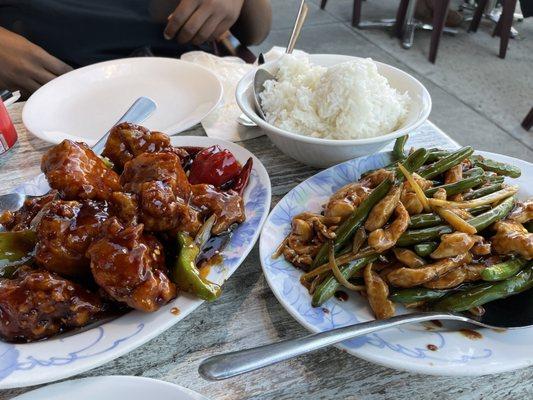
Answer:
(347, 101)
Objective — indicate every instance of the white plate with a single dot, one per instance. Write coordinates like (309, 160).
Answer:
(61, 357)
(403, 348)
(112, 388)
(81, 105)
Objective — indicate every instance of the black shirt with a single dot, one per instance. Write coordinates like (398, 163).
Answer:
(82, 32)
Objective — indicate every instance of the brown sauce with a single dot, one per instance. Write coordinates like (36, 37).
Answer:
(470, 334)
(432, 347)
(205, 268)
(325, 310)
(341, 296)
(175, 310)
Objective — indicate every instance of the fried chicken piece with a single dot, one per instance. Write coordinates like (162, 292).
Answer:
(377, 292)
(125, 207)
(37, 304)
(77, 173)
(126, 141)
(385, 238)
(64, 234)
(512, 238)
(523, 212)
(21, 219)
(409, 197)
(163, 192)
(345, 200)
(381, 212)
(228, 206)
(409, 277)
(453, 244)
(130, 266)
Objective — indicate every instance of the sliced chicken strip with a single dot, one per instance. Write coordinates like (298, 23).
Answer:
(512, 238)
(378, 292)
(384, 239)
(382, 211)
(453, 244)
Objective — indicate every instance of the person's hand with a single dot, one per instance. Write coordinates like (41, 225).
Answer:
(24, 65)
(197, 21)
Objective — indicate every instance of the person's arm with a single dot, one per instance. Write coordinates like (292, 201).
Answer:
(197, 21)
(24, 65)
(253, 24)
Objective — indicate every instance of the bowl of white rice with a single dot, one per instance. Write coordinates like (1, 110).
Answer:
(323, 109)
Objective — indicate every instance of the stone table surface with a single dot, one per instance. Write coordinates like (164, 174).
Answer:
(248, 314)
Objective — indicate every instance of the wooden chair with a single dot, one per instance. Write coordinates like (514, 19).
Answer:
(503, 27)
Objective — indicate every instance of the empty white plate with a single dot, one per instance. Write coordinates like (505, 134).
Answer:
(112, 388)
(83, 104)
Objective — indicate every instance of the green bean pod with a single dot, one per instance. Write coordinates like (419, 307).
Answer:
(424, 220)
(487, 292)
(436, 154)
(458, 187)
(503, 270)
(329, 286)
(413, 295)
(16, 248)
(415, 160)
(480, 222)
(483, 191)
(399, 145)
(444, 164)
(347, 229)
(426, 248)
(498, 167)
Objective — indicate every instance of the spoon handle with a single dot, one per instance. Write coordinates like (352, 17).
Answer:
(228, 365)
(300, 19)
(137, 113)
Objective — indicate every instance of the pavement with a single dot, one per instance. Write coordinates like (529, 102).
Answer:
(478, 98)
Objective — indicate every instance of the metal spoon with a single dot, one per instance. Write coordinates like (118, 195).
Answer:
(262, 75)
(511, 313)
(141, 109)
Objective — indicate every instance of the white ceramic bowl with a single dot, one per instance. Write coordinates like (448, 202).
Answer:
(326, 152)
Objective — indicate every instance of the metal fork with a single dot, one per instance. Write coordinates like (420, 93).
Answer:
(141, 109)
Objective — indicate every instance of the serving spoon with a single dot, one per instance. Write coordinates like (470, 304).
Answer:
(262, 75)
(141, 109)
(513, 312)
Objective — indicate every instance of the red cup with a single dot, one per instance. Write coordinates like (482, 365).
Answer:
(8, 134)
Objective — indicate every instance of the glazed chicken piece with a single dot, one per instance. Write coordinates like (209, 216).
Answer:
(381, 212)
(22, 218)
(454, 175)
(385, 238)
(345, 200)
(126, 141)
(37, 304)
(466, 273)
(408, 257)
(163, 192)
(374, 178)
(409, 198)
(129, 265)
(228, 206)
(454, 244)
(409, 277)
(64, 234)
(377, 292)
(523, 212)
(77, 173)
(309, 232)
(512, 238)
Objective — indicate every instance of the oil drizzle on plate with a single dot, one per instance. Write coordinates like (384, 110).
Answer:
(341, 296)
(470, 334)
(432, 347)
(175, 310)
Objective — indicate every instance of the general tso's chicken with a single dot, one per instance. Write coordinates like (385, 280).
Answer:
(453, 244)
(126, 141)
(163, 192)
(409, 197)
(374, 178)
(130, 266)
(64, 234)
(523, 212)
(377, 292)
(22, 218)
(37, 304)
(77, 173)
(228, 206)
(512, 238)
(381, 212)
(309, 232)
(345, 200)
(409, 277)
(385, 238)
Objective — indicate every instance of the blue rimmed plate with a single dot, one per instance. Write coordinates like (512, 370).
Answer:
(414, 348)
(62, 357)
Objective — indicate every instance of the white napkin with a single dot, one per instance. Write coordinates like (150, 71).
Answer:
(222, 122)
